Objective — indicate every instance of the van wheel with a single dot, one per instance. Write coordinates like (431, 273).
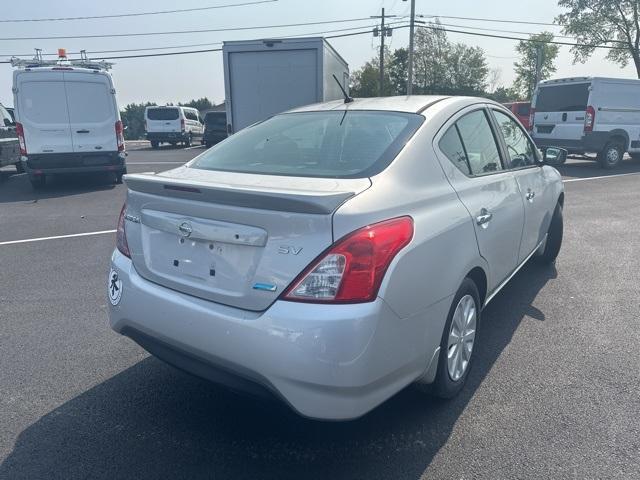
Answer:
(154, 144)
(551, 247)
(19, 167)
(611, 155)
(458, 343)
(188, 140)
(37, 181)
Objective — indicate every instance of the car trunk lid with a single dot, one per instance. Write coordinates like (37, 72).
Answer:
(232, 238)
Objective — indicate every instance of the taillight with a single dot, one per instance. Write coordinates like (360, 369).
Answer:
(182, 127)
(120, 135)
(352, 270)
(23, 143)
(532, 116)
(121, 234)
(589, 119)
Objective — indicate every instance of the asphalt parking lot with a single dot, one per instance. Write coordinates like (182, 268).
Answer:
(554, 392)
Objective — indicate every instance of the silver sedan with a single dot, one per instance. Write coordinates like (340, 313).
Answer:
(334, 254)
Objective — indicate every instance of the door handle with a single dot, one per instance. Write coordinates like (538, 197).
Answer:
(530, 195)
(484, 218)
(82, 131)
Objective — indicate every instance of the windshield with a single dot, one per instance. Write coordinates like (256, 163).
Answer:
(563, 98)
(333, 144)
(217, 119)
(162, 114)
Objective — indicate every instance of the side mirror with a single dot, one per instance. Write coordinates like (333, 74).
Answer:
(554, 156)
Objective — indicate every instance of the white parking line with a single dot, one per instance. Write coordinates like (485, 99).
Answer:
(40, 239)
(195, 146)
(600, 178)
(155, 163)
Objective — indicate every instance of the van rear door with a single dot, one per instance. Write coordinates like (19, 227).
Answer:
(92, 112)
(559, 113)
(41, 104)
(163, 119)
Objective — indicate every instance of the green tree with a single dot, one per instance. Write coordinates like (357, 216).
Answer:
(615, 23)
(201, 104)
(398, 71)
(364, 82)
(525, 67)
(503, 94)
(133, 118)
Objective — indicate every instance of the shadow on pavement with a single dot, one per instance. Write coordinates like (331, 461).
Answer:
(17, 188)
(151, 421)
(583, 168)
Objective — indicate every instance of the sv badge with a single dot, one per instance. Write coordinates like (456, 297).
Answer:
(289, 250)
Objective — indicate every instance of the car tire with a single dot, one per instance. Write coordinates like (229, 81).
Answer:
(187, 142)
(19, 167)
(551, 247)
(611, 155)
(154, 144)
(37, 181)
(447, 385)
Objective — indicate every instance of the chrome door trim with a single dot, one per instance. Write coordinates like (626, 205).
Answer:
(506, 280)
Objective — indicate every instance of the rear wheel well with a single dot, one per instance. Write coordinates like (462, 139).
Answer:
(480, 279)
(620, 139)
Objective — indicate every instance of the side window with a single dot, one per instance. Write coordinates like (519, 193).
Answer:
(480, 145)
(190, 115)
(451, 146)
(519, 148)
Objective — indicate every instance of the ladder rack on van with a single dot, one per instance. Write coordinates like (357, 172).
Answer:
(62, 61)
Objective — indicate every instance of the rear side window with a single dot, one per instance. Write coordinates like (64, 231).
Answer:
(479, 143)
(162, 114)
(43, 102)
(190, 115)
(451, 146)
(330, 144)
(89, 102)
(563, 98)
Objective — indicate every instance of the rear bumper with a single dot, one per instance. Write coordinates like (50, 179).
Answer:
(73, 162)
(167, 136)
(211, 138)
(332, 362)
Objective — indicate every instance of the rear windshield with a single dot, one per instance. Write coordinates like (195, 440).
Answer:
(216, 119)
(563, 98)
(523, 109)
(333, 144)
(162, 113)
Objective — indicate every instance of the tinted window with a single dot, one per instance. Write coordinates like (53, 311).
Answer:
(451, 146)
(563, 98)
(190, 115)
(216, 119)
(162, 114)
(4, 115)
(43, 102)
(479, 143)
(89, 102)
(338, 144)
(519, 148)
(524, 109)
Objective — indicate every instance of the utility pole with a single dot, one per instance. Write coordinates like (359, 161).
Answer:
(383, 32)
(410, 60)
(539, 60)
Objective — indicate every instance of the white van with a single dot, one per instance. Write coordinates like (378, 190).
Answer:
(67, 120)
(588, 115)
(173, 124)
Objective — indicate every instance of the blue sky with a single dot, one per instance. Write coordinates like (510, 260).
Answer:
(180, 78)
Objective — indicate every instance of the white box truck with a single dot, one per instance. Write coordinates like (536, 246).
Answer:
(265, 77)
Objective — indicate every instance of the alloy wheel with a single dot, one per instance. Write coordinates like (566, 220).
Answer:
(462, 336)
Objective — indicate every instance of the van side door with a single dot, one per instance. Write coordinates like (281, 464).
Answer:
(469, 151)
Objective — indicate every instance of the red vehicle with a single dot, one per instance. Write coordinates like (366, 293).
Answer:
(520, 110)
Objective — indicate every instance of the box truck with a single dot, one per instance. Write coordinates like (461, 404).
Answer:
(265, 77)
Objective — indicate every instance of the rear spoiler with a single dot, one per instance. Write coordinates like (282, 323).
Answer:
(295, 201)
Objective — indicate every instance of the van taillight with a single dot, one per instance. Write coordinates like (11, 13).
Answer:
(182, 127)
(120, 135)
(532, 116)
(20, 133)
(589, 119)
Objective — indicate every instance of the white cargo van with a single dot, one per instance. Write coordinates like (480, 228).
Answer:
(173, 124)
(588, 115)
(67, 120)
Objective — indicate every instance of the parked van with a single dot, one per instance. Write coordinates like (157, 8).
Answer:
(215, 127)
(521, 110)
(173, 125)
(589, 115)
(9, 147)
(67, 119)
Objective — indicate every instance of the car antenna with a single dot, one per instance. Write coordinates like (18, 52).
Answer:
(347, 98)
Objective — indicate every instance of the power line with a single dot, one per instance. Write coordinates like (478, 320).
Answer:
(138, 14)
(523, 22)
(176, 32)
(501, 31)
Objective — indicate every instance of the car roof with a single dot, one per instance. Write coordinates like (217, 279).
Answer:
(408, 104)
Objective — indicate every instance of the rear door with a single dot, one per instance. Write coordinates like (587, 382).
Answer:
(92, 112)
(559, 112)
(163, 119)
(265, 83)
(488, 190)
(41, 104)
(9, 147)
